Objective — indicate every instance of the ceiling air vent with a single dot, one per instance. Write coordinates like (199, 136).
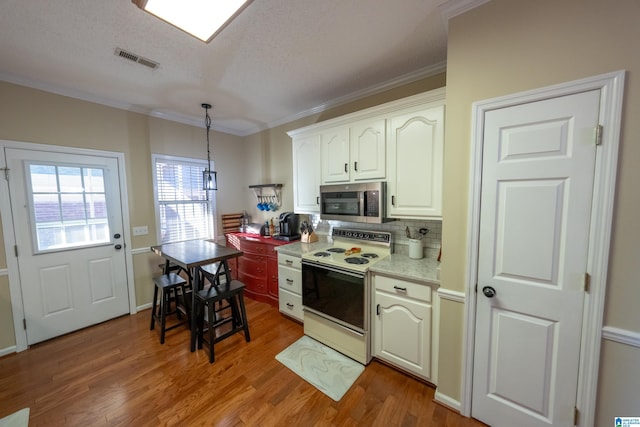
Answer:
(136, 58)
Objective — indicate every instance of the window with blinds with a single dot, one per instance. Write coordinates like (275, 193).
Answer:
(183, 209)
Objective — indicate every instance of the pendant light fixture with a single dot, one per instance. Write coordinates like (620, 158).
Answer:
(209, 177)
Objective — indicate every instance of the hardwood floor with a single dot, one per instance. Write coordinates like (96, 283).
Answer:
(118, 374)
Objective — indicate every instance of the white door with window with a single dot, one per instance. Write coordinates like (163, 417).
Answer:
(535, 217)
(68, 226)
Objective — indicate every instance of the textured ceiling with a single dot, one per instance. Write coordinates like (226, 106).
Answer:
(277, 61)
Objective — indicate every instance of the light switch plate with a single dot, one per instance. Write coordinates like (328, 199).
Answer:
(141, 230)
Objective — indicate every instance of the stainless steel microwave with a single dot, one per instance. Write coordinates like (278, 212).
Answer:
(361, 202)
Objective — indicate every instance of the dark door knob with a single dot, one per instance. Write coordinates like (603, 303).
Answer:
(489, 292)
(118, 247)
(116, 236)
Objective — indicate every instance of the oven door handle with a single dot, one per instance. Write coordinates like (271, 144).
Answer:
(332, 268)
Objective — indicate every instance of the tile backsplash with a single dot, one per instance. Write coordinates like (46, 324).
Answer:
(430, 242)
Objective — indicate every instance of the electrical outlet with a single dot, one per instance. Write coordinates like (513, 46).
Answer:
(141, 230)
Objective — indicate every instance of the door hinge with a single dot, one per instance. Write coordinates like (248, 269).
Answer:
(587, 282)
(576, 416)
(15, 249)
(599, 135)
(6, 173)
(24, 324)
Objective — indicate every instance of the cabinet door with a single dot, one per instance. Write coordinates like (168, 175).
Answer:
(368, 150)
(415, 158)
(403, 333)
(306, 174)
(335, 155)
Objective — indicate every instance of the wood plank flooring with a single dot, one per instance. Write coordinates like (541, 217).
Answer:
(118, 374)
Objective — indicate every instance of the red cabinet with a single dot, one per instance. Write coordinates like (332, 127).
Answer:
(257, 268)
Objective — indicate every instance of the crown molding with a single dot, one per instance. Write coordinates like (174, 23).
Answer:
(414, 76)
(199, 122)
(452, 8)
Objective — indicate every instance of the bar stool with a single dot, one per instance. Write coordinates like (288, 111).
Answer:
(168, 286)
(168, 267)
(206, 299)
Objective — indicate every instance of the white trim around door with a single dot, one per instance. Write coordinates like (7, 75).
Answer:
(9, 235)
(611, 86)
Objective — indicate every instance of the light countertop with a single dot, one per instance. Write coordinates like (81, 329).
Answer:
(396, 265)
(403, 267)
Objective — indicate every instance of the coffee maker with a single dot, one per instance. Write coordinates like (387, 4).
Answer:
(289, 228)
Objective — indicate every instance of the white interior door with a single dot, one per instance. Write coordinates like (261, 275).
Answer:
(537, 189)
(67, 219)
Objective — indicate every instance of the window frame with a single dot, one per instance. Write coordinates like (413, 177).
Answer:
(211, 198)
(34, 224)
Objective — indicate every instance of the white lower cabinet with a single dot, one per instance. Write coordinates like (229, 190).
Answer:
(290, 286)
(403, 326)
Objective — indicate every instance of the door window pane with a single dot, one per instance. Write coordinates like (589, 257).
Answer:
(69, 206)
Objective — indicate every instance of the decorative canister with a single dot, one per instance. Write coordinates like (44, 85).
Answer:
(415, 248)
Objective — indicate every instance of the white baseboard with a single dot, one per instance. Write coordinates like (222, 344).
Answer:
(7, 350)
(143, 307)
(622, 336)
(447, 401)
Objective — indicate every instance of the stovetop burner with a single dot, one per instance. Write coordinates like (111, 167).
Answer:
(351, 249)
(356, 260)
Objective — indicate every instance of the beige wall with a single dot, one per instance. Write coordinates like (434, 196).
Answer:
(508, 46)
(30, 115)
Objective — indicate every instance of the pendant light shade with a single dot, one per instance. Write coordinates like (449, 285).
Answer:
(209, 177)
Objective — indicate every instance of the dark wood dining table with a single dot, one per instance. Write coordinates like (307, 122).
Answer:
(190, 255)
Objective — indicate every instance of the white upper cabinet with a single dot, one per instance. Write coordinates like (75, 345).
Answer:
(335, 155)
(368, 150)
(355, 152)
(400, 142)
(415, 158)
(306, 174)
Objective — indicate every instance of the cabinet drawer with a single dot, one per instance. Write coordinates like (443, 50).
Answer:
(253, 247)
(254, 284)
(403, 288)
(291, 304)
(271, 250)
(290, 279)
(290, 261)
(253, 265)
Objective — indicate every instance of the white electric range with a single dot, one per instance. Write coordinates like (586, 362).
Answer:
(336, 291)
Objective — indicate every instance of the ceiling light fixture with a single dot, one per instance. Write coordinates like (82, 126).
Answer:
(209, 177)
(203, 19)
